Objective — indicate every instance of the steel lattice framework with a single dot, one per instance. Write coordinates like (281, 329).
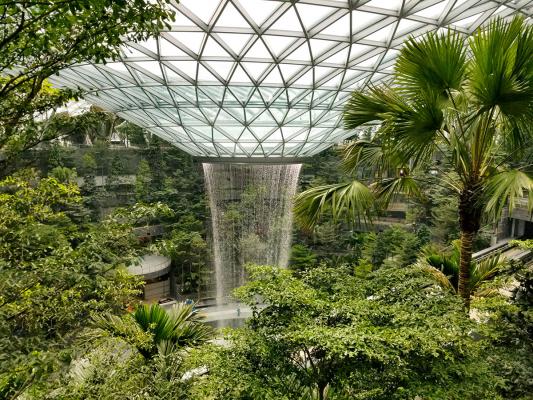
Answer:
(266, 78)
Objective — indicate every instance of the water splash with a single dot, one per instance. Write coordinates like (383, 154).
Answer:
(251, 214)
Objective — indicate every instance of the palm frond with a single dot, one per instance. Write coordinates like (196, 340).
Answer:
(413, 133)
(363, 153)
(372, 105)
(353, 201)
(506, 188)
(436, 63)
(484, 270)
(386, 189)
(108, 324)
(154, 318)
(440, 277)
(189, 327)
(501, 74)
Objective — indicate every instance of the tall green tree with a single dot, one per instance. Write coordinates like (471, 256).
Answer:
(39, 39)
(468, 102)
(326, 334)
(53, 275)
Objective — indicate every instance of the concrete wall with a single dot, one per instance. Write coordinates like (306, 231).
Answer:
(157, 290)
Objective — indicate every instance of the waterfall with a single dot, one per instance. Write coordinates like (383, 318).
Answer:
(251, 214)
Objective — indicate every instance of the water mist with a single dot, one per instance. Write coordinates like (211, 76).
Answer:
(251, 214)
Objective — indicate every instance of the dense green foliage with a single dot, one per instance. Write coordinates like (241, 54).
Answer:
(55, 271)
(152, 330)
(468, 110)
(394, 334)
(38, 39)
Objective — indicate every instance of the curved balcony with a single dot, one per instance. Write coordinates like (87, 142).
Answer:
(151, 266)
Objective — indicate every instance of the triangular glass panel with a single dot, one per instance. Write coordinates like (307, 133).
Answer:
(340, 57)
(277, 44)
(191, 40)
(186, 67)
(369, 62)
(172, 76)
(319, 46)
(287, 22)
(289, 70)
(204, 75)
(202, 9)
(255, 70)
(306, 79)
(341, 27)
(256, 99)
(362, 20)
(235, 41)
(222, 68)
(230, 17)
(302, 53)
(213, 49)
(434, 11)
(466, 22)
(240, 76)
(258, 50)
(322, 72)
(247, 136)
(274, 137)
(230, 99)
(393, 5)
(167, 49)
(406, 26)
(312, 14)
(381, 35)
(278, 114)
(359, 49)
(259, 10)
(274, 77)
(261, 131)
(152, 67)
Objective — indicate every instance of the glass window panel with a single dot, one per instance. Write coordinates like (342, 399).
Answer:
(340, 27)
(393, 5)
(230, 17)
(258, 50)
(433, 11)
(213, 49)
(287, 22)
(259, 10)
(381, 35)
(319, 46)
(274, 77)
(186, 67)
(204, 9)
(277, 44)
(362, 20)
(235, 41)
(312, 14)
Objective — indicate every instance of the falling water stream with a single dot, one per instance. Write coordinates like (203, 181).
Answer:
(251, 213)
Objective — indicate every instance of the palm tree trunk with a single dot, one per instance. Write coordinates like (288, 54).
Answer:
(467, 239)
(470, 211)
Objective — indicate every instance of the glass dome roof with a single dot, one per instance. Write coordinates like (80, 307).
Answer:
(266, 78)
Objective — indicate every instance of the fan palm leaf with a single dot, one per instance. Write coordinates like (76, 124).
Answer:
(152, 329)
(353, 199)
(467, 101)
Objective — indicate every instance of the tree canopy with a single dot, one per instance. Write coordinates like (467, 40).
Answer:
(38, 39)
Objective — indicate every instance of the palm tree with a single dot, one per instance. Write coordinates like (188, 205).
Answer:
(467, 103)
(445, 268)
(154, 330)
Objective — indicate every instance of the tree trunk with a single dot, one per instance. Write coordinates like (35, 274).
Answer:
(322, 391)
(467, 239)
(470, 210)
